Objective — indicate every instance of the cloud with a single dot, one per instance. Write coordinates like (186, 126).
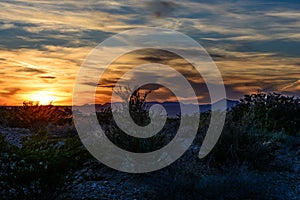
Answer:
(31, 70)
(155, 55)
(284, 14)
(53, 68)
(43, 43)
(160, 8)
(48, 77)
(8, 92)
(7, 26)
(90, 84)
(295, 86)
(49, 15)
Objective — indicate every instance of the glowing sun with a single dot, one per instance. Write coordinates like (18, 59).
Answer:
(43, 97)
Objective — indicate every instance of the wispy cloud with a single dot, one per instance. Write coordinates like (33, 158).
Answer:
(43, 43)
(160, 8)
(292, 87)
(9, 91)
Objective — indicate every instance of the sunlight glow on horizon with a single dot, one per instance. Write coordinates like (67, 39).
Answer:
(43, 97)
(44, 43)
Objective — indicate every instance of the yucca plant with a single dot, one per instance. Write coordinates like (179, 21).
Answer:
(136, 104)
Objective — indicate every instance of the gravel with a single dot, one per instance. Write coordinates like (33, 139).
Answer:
(14, 136)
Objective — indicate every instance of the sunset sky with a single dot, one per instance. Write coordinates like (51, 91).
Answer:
(255, 44)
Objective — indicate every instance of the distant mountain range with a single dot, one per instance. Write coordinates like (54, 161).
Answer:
(173, 108)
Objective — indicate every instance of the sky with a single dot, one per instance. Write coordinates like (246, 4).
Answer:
(255, 44)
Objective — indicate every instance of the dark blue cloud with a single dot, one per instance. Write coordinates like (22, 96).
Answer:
(19, 37)
(282, 47)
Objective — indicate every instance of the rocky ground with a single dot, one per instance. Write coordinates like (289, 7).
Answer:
(14, 136)
(188, 179)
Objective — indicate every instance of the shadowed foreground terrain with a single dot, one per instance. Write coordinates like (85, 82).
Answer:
(257, 156)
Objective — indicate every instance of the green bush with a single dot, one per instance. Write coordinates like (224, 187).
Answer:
(271, 112)
(254, 128)
(253, 131)
(41, 167)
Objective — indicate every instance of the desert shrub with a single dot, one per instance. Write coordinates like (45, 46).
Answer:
(142, 145)
(136, 104)
(135, 101)
(271, 112)
(138, 107)
(232, 183)
(3, 116)
(239, 183)
(40, 168)
(4, 146)
(254, 128)
(61, 130)
(105, 117)
(34, 116)
(239, 148)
